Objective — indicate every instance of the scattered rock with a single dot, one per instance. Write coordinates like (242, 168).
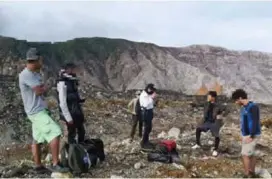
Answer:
(263, 173)
(61, 175)
(162, 135)
(174, 133)
(137, 165)
(210, 142)
(260, 153)
(178, 166)
(126, 142)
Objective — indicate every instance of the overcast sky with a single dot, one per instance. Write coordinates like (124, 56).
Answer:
(234, 25)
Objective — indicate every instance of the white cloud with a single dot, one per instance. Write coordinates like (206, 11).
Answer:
(235, 25)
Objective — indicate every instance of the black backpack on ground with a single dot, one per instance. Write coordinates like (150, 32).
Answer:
(75, 157)
(162, 154)
(98, 148)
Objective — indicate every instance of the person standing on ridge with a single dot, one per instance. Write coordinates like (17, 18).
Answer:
(71, 114)
(250, 130)
(211, 122)
(146, 100)
(135, 110)
(44, 128)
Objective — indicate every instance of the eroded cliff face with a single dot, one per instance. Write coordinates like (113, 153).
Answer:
(119, 65)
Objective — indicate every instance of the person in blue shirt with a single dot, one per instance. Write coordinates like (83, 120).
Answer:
(250, 130)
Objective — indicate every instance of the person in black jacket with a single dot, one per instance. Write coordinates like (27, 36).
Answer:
(212, 122)
(70, 103)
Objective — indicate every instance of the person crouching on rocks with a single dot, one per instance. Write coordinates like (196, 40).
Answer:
(147, 105)
(71, 114)
(212, 122)
(135, 110)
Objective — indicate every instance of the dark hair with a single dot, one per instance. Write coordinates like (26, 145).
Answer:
(151, 87)
(69, 66)
(239, 93)
(32, 61)
(213, 93)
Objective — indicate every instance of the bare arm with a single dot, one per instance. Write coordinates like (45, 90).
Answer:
(35, 84)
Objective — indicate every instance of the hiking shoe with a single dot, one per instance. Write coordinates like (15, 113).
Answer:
(253, 175)
(60, 169)
(245, 176)
(147, 147)
(214, 153)
(196, 146)
(41, 169)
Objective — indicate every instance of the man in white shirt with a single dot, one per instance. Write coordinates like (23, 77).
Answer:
(147, 105)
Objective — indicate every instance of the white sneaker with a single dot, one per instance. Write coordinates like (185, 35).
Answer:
(215, 153)
(196, 146)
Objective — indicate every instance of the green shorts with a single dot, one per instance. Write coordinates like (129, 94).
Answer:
(44, 128)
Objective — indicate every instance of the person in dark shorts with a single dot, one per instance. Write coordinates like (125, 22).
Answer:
(250, 130)
(212, 122)
(136, 116)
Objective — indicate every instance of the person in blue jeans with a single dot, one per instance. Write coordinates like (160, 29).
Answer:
(146, 100)
(250, 130)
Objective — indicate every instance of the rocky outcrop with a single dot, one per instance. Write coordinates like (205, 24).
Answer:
(119, 65)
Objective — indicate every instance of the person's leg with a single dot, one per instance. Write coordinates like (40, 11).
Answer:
(81, 132)
(140, 126)
(246, 154)
(147, 127)
(36, 151)
(37, 141)
(50, 131)
(253, 159)
(64, 138)
(198, 134)
(71, 133)
(54, 148)
(216, 143)
(133, 126)
(246, 163)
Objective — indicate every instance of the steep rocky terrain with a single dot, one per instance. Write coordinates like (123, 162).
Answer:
(110, 69)
(108, 120)
(117, 64)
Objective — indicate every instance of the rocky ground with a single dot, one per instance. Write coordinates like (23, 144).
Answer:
(107, 119)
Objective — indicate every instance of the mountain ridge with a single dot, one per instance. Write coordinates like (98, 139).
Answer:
(119, 65)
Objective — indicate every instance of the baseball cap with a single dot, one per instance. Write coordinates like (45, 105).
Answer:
(32, 54)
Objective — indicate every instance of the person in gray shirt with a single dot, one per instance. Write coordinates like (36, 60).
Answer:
(44, 128)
